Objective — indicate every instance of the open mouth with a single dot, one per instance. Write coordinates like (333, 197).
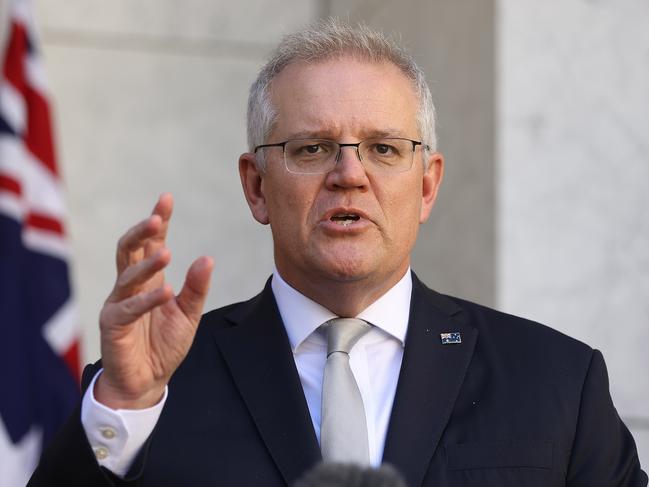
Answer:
(345, 219)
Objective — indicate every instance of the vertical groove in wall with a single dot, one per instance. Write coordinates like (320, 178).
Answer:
(496, 134)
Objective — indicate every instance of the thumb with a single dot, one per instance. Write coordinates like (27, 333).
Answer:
(191, 298)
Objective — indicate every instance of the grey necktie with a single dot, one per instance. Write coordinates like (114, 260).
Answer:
(343, 429)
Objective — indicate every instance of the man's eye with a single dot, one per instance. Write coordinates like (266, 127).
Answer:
(311, 149)
(385, 150)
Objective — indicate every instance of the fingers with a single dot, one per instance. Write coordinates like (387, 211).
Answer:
(164, 206)
(149, 234)
(131, 280)
(129, 247)
(141, 256)
(163, 209)
(191, 298)
(130, 309)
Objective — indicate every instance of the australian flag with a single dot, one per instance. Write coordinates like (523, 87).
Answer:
(39, 342)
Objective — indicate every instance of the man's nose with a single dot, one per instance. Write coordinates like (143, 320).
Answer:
(349, 171)
(354, 147)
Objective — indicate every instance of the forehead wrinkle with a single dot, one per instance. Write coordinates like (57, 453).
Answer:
(317, 128)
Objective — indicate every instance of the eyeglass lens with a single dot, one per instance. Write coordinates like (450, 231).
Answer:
(320, 155)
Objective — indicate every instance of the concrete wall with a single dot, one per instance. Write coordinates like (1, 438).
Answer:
(573, 161)
(543, 120)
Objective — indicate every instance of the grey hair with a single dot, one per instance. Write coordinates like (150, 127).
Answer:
(330, 39)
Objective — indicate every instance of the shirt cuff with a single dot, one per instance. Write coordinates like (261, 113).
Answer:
(117, 435)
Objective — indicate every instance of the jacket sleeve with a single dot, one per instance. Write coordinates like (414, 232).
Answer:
(604, 453)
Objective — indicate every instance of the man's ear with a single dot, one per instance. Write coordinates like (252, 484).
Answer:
(433, 175)
(251, 181)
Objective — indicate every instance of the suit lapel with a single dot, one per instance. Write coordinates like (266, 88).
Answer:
(260, 359)
(429, 382)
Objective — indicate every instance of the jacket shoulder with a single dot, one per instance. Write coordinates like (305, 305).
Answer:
(501, 325)
(228, 315)
(512, 340)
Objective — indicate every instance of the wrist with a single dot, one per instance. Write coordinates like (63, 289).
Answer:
(115, 398)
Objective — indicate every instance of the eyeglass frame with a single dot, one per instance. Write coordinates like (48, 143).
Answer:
(356, 145)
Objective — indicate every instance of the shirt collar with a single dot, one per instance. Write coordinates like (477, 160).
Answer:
(302, 316)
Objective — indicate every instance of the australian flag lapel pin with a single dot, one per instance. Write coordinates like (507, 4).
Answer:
(451, 338)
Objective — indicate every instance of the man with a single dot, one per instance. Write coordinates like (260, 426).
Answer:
(343, 166)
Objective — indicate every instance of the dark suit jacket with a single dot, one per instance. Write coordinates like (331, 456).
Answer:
(515, 404)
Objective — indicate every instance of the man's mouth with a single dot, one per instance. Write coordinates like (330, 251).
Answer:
(345, 219)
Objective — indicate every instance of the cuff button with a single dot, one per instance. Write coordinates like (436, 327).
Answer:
(101, 453)
(108, 433)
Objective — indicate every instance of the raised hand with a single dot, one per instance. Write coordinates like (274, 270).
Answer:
(146, 331)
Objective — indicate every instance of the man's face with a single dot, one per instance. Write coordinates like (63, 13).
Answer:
(345, 100)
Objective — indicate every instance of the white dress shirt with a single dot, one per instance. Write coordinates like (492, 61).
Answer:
(375, 360)
(117, 435)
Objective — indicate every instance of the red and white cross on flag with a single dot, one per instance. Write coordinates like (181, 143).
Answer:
(39, 339)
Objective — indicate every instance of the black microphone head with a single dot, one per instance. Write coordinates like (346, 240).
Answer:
(350, 475)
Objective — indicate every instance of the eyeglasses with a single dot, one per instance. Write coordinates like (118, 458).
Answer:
(319, 156)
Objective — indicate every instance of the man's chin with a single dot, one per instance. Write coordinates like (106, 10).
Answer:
(347, 269)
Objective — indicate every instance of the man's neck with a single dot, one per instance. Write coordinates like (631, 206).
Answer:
(345, 298)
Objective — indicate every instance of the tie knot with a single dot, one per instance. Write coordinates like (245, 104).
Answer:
(343, 333)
